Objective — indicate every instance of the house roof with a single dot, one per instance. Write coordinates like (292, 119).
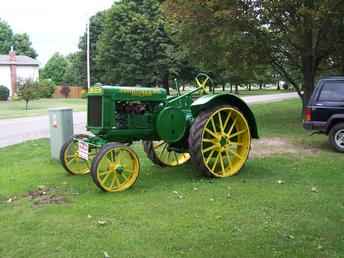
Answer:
(20, 60)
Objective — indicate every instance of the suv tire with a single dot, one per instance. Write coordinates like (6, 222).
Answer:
(336, 137)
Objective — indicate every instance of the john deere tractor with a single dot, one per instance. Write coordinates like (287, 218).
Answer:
(214, 132)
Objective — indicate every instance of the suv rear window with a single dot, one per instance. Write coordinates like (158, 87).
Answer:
(332, 91)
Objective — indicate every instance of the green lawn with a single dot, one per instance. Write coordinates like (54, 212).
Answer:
(178, 212)
(15, 109)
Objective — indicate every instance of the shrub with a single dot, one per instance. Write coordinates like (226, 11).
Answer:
(65, 90)
(28, 90)
(47, 88)
(4, 93)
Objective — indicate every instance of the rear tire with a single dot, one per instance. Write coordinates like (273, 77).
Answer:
(336, 137)
(220, 141)
(159, 154)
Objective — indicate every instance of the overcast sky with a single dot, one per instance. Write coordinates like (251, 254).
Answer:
(53, 25)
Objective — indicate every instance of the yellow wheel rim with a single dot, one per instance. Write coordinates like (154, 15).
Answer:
(169, 157)
(226, 142)
(118, 169)
(73, 162)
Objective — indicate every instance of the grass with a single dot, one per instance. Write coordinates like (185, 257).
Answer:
(15, 109)
(178, 212)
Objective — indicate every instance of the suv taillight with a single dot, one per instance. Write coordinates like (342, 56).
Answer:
(308, 114)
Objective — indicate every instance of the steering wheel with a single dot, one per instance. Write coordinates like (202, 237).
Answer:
(202, 80)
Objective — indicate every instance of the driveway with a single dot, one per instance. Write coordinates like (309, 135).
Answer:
(13, 131)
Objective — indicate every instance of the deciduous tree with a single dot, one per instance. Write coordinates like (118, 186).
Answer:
(6, 36)
(55, 69)
(28, 90)
(295, 37)
(21, 42)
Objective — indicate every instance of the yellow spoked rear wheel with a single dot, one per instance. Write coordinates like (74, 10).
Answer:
(70, 159)
(220, 141)
(115, 168)
(160, 153)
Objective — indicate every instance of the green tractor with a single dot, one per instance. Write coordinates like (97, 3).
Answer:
(214, 132)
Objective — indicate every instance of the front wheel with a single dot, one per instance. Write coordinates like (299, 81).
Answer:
(220, 141)
(336, 137)
(69, 157)
(115, 168)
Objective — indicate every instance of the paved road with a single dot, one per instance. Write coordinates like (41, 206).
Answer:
(13, 131)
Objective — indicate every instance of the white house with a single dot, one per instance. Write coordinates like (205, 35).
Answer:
(13, 68)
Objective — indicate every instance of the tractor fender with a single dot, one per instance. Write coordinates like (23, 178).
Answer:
(209, 101)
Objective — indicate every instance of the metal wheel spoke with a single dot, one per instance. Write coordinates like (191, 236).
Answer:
(211, 133)
(168, 155)
(227, 120)
(236, 144)
(104, 173)
(70, 162)
(222, 165)
(112, 156)
(158, 145)
(124, 176)
(113, 180)
(208, 140)
(216, 160)
(220, 121)
(229, 158)
(119, 158)
(237, 133)
(209, 149)
(176, 157)
(108, 160)
(117, 182)
(210, 156)
(105, 178)
(213, 124)
(236, 154)
(163, 150)
(232, 126)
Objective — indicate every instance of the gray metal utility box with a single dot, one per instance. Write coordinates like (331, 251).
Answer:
(60, 129)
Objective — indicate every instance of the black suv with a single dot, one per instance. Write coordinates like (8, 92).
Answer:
(325, 111)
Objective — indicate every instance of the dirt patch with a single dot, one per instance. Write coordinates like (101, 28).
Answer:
(44, 196)
(266, 147)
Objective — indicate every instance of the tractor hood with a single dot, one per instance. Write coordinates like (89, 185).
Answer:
(129, 93)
